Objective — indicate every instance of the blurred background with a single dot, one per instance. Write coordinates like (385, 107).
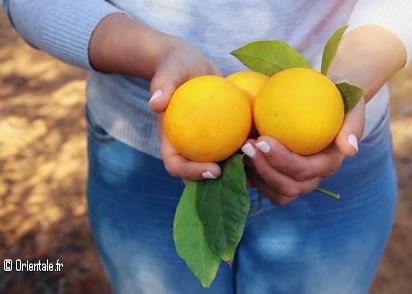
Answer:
(43, 170)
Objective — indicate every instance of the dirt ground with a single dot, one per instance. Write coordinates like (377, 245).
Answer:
(43, 170)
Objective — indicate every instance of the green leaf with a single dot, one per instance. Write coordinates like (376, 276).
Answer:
(190, 241)
(269, 57)
(223, 206)
(350, 95)
(331, 46)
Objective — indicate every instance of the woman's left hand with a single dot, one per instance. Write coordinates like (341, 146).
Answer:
(283, 176)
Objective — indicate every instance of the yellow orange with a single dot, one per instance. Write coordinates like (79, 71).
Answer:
(208, 119)
(249, 81)
(301, 108)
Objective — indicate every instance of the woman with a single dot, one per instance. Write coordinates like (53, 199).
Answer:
(140, 49)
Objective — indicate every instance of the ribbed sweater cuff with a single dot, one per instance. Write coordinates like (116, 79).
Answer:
(62, 28)
(394, 16)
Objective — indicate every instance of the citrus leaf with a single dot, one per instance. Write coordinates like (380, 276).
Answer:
(269, 57)
(350, 95)
(330, 49)
(222, 206)
(190, 241)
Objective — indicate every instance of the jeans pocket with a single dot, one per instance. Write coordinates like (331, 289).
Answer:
(96, 132)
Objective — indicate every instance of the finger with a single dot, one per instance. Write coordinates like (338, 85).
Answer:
(179, 166)
(166, 79)
(170, 75)
(294, 165)
(327, 162)
(283, 160)
(352, 130)
(279, 182)
(271, 194)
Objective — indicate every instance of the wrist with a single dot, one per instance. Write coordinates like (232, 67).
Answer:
(368, 57)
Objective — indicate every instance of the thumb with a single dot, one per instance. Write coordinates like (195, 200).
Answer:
(170, 75)
(164, 82)
(352, 130)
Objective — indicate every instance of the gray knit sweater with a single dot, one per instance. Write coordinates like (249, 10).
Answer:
(63, 28)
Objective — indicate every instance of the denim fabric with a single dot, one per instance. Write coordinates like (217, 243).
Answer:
(312, 245)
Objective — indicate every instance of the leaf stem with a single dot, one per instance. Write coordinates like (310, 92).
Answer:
(328, 193)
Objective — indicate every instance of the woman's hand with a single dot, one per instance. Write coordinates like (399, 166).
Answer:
(367, 57)
(178, 165)
(125, 46)
(283, 175)
(182, 63)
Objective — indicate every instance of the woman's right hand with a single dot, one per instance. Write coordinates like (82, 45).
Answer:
(182, 63)
(122, 45)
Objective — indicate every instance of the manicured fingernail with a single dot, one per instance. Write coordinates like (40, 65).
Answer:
(263, 146)
(353, 141)
(155, 95)
(249, 150)
(208, 175)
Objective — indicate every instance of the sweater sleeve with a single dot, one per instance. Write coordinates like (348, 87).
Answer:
(62, 28)
(393, 15)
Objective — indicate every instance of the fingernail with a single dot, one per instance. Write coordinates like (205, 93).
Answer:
(155, 95)
(353, 141)
(263, 146)
(208, 175)
(249, 150)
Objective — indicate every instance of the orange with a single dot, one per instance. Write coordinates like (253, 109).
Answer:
(208, 119)
(249, 81)
(301, 108)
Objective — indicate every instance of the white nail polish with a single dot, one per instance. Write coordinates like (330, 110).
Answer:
(155, 95)
(208, 175)
(353, 141)
(263, 146)
(249, 150)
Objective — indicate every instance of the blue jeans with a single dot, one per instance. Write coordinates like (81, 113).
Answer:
(312, 245)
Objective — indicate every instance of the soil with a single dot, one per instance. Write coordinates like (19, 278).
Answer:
(43, 171)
